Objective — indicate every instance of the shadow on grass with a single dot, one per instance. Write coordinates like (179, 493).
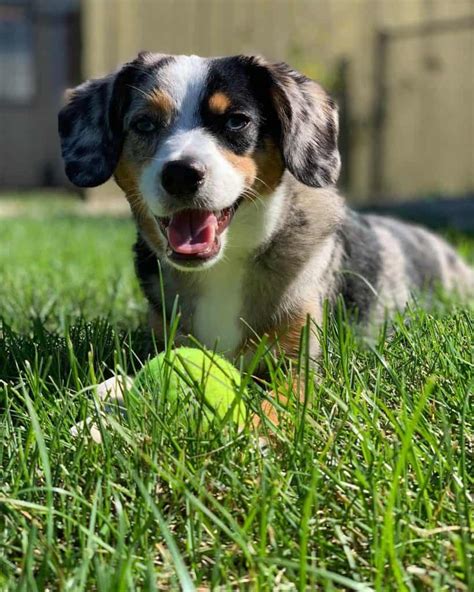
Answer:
(86, 348)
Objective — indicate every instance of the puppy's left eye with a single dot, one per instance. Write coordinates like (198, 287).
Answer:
(144, 125)
(237, 122)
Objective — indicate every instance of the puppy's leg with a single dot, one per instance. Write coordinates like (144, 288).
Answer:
(290, 338)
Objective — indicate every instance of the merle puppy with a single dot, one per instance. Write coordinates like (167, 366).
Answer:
(229, 166)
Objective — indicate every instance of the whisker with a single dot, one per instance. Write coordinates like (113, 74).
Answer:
(144, 71)
(139, 90)
(253, 197)
(263, 182)
(134, 195)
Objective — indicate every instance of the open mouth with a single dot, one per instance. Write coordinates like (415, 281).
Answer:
(194, 234)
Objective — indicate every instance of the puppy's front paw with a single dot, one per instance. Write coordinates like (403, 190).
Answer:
(110, 392)
(113, 389)
(89, 426)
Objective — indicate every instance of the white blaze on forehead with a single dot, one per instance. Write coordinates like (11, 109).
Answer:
(184, 79)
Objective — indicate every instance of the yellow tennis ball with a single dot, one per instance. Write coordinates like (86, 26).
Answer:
(173, 374)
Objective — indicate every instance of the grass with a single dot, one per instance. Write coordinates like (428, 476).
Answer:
(366, 485)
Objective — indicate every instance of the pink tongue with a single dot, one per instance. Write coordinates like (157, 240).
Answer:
(192, 231)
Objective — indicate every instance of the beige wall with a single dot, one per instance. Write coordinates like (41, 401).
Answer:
(427, 144)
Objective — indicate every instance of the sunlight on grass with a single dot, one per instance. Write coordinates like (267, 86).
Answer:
(365, 486)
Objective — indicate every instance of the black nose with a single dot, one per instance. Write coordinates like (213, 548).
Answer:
(182, 177)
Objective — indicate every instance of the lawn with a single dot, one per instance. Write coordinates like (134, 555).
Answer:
(366, 486)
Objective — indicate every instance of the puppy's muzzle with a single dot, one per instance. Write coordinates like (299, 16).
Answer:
(182, 178)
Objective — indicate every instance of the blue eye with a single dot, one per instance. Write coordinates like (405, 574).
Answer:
(144, 125)
(237, 122)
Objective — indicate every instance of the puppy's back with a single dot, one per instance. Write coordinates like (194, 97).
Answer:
(387, 261)
(428, 259)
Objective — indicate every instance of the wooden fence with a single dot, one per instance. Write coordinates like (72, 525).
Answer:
(409, 98)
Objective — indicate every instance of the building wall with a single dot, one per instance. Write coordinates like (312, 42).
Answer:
(422, 141)
(29, 147)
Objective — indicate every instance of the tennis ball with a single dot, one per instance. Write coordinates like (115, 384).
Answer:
(182, 372)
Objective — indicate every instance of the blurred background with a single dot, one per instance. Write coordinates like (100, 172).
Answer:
(401, 70)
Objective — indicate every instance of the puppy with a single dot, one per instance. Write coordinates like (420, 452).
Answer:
(229, 166)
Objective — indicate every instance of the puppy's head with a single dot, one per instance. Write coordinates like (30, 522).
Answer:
(191, 139)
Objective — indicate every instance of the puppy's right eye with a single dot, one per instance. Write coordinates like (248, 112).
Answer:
(237, 122)
(144, 125)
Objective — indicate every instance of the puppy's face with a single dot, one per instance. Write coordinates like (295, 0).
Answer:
(190, 140)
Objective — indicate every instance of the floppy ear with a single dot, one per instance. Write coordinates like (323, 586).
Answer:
(309, 125)
(90, 144)
(90, 125)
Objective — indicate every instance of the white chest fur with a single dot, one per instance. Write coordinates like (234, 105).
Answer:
(218, 310)
(216, 320)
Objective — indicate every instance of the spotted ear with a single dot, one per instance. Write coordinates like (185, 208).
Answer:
(90, 125)
(90, 143)
(309, 125)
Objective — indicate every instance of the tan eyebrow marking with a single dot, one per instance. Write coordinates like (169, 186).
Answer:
(245, 164)
(161, 100)
(219, 102)
(262, 170)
